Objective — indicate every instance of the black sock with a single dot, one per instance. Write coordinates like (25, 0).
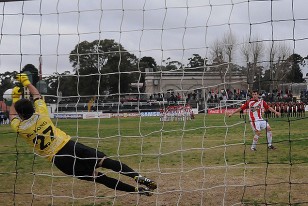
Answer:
(110, 182)
(119, 167)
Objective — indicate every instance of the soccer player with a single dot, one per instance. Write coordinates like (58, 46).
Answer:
(255, 107)
(31, 121)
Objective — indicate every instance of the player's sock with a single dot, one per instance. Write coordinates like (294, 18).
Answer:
(269, 137)
(119, 167)
(255, 141)
(114, 183)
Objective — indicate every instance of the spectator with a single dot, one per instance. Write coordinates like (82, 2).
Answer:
(1, 118)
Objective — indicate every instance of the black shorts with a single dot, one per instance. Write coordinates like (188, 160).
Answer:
(77, 159)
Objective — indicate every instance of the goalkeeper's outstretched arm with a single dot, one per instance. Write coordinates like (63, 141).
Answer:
(23, 78)
(16, 93)
(35, 93)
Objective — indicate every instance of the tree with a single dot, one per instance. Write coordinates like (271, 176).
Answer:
(145, 62)
(266, 80)
(52, 83)
(219, 65)
(6, 82)
(252, 52)
(103, 65)
(278, 54)
(64, 83)
(258, 79)
(229, 41)
(196, 61)
(295, 74)
(33, 71)
(117, 75)
(284, 70)
(148, 62)
(171, 65)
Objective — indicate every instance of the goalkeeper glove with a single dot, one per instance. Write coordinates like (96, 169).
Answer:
(16, 93)
(23, 78)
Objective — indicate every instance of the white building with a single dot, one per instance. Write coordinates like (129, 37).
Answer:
(185, 82)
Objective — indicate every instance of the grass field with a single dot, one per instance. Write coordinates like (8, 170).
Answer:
(206, 161)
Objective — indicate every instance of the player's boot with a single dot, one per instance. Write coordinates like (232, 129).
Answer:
(146, 181)
(144, 191)
(253, 149)
(271, 147)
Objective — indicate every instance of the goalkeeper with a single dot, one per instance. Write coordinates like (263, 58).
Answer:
(32, 122)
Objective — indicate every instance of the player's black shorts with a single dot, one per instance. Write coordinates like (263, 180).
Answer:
(77, 159)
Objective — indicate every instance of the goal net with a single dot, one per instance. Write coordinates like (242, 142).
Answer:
(151, 84)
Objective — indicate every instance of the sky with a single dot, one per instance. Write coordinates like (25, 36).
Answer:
(162, 29)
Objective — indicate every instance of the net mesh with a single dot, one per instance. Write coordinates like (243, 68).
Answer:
(112, 66)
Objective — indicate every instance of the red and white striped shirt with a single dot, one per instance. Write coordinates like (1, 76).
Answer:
(255, 108)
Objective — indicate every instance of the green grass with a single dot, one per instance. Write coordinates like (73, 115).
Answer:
(205, 154)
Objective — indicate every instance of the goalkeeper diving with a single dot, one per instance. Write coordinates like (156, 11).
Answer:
(31, 121)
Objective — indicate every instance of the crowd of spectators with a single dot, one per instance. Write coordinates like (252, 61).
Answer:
(287, 109)
(211, 97)
(274, 96)
(278, 96)
(223, 95)
(214, 98)
(283, 101)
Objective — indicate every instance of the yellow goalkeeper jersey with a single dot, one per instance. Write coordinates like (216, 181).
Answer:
(40, 132)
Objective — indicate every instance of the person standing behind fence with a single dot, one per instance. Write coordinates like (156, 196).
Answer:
(1, 118)
(285, 109)
(267, 113)
(302, 109)
(242, 112)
